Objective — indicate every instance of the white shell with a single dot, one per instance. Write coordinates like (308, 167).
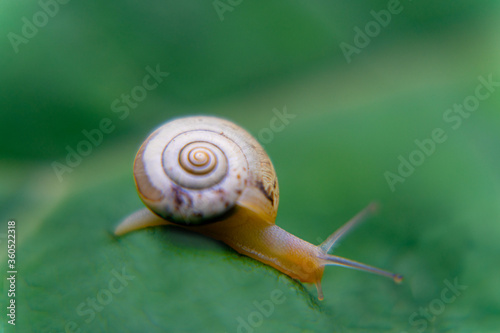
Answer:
(192, 170)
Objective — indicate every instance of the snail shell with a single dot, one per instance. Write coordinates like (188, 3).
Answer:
(192, 170)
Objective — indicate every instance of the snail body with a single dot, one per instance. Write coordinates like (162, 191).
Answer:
(210, 176)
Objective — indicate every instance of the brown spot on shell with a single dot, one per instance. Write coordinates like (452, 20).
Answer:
(181, 198)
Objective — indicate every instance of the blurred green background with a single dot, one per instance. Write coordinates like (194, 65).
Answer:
(63, 65)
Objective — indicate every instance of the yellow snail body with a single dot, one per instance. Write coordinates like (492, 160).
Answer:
(210, 176)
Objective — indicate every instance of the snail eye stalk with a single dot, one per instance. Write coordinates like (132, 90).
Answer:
(330, 242)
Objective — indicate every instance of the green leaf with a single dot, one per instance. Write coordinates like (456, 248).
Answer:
(354, 123)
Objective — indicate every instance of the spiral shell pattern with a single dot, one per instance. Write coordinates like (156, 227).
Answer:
(194, 169)
(200, 158)
(195, 164)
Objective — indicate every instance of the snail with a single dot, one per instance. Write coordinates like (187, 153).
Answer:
(210, 176)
